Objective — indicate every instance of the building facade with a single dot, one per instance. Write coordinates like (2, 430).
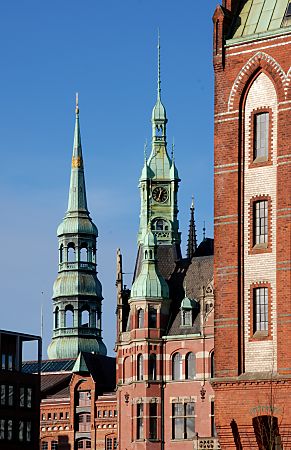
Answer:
(165, 322)
(252, 60)
(19, 393)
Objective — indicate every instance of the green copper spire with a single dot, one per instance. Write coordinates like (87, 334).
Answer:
(77, 292)
(159, 118)
(149, 283)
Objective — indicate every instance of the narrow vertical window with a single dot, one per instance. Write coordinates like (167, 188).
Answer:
(189, 420)
(212, 364)
(28, 432)
(153, 421)
(261, 136)
(3, 395)
(177, 421)
(140, 318)
(152, 317)
(44, 445)
(20, 430)
(261, 309)
(213, 428)
(10, 395)
(261, 222)
(140, 367)
(21, 397)
(139, 421)
(3, 361)
(10, 362)
(2, 429)
(152, 366)
(177, 366)
(28, 397)
(54, 445)
(9, 430)
(190, 366)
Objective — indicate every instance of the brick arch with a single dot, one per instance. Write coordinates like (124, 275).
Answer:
(259, 62)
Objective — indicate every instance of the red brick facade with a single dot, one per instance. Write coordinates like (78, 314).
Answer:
(251, 375)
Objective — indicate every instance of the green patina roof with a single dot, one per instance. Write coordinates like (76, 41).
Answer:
(259, 16)
(80, 364)
(149, 283)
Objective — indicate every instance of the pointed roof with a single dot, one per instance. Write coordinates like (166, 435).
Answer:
(80, 364)
(159, 111)
(192, 240)
(77, 218)
(149, 283)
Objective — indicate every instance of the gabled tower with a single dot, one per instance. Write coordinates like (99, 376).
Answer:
(77, 292)
(159, 184)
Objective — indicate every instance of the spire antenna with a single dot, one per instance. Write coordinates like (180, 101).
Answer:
(77, 102)
(204, 231)
(159, 66)
(145, 148)
(173, 150)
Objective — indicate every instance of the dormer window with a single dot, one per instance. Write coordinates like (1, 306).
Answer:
(186, 318)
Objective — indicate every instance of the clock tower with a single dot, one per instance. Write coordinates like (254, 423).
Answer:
(159, 185)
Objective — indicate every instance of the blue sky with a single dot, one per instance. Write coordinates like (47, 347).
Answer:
(105, 50)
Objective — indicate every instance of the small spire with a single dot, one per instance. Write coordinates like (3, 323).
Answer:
(204, 231)
(173, 150)
(192, 240)
(145, 148)
(159, 66)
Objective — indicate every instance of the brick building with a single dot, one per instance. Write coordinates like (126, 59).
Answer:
(165, 322)
(252, 59)
(19, 393)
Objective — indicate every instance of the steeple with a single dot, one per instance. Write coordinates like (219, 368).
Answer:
(192, 240)
(77, 292)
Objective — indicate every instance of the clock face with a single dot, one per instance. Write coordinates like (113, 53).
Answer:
(160, 194)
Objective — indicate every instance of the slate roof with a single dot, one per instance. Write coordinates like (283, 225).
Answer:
(259, 16)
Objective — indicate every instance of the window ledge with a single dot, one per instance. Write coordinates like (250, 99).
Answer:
(260, 336)
(261, 248)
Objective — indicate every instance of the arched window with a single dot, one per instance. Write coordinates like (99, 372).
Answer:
(190, 366)
(85, 317)
(57, 317)
(152, 317)
(140, 367)
(61, 253)
(146, 254)
(126, 370)
(212, 367)
(71, 252)
(152, 366)
(84, 253)
(177, 366)
(69, 317)
(140, 318)
(98, 320)
(160, 225)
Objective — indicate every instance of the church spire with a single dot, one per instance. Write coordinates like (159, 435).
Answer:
(159, 67)
(192, 240)
(77, 194)
(77, 292)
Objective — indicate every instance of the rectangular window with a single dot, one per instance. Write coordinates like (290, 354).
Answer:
(10, 395)
(139, 421)
(115, 443)
(213, 428)
(3, 395)
(84, 398)
(3, 361)
(67, 415)
(54, 445)
(9, 430)
(49, 416)
(28, 397)
(61, 415)
(183, 420)
(21, 397)
(115, 413)
(153, 421)
(261, 309)
(152, 317)
(20, 430)
(28, 431)
(110, 413)
(109, 445)
(43, 417)
(261, 135)
(2, 429)
(261, 222)
(10, 362)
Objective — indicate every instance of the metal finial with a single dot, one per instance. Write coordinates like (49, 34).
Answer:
(77, 103)
(159, 66)
(204, 231)
(192, 203)
(145, 148)
(173, 150)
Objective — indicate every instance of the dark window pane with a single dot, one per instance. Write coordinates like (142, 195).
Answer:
(261, 309)
(261, 137)
(190, 366)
